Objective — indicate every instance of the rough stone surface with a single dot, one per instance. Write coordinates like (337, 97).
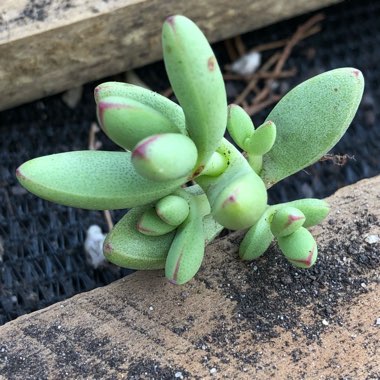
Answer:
(237, 320)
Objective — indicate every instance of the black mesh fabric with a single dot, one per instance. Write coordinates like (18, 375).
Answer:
(41, 249)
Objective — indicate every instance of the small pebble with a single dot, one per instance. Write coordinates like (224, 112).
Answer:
(247, 64)
(378, 321)
(213, 371)
(372, 239)
(178, 375)
(325, 323)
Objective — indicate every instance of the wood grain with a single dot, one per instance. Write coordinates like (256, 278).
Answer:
(50, 46)
(142, 327)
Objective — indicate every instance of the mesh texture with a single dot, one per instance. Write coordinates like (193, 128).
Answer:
(41, 248)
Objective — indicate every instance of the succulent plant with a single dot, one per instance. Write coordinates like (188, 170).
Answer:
(166, 145)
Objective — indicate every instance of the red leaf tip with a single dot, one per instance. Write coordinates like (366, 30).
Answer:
(19, 175)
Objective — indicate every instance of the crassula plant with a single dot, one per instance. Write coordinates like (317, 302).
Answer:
(166, 146)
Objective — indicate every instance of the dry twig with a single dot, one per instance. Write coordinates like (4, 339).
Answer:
(256, 108)
(283, 42)
(263, 97)
(261, 75)
(252, 83)
(239, 46)
(231, 51)
(337, 159)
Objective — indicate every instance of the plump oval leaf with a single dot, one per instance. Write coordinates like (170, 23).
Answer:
(129, 248)
(151, 224)
(286, 220)
(186, 253)
(258, 238)
(299, 248)
(164, 157)
(197, 83)
(239, 125)
(238, 196)
(95, 180)
(310, 120)
(165, 106)
(315, 210)
(172, 209)
(126, 121)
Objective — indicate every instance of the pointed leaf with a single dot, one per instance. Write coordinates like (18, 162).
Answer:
(94, 180)
(310, 120)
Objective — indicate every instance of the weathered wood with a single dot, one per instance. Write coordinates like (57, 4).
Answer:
(142, 327)
(49, 46)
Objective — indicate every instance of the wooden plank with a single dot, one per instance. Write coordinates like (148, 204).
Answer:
(48, 46)
(299, 326)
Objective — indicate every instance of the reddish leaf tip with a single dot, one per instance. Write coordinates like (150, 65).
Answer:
(19, 174)
(140, 151)
(232, 198)
(293, 218)
(170, 20)
(308, 259)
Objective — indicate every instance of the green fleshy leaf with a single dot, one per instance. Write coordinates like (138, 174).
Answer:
(211, 228)
(172, 209)
(197, 83)
(258, 238)
(95, 180)
(186, 253)
(165, 106)
(238, 196)
(128, 248)
(310, 120)
(286, 220)
(164, 157)
(315, 210)
(126, 121)
(299, 248)
(150, 224)
(239, 125)
(216, 165)
(262, 139)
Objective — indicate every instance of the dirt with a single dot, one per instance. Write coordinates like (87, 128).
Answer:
(260, 320)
